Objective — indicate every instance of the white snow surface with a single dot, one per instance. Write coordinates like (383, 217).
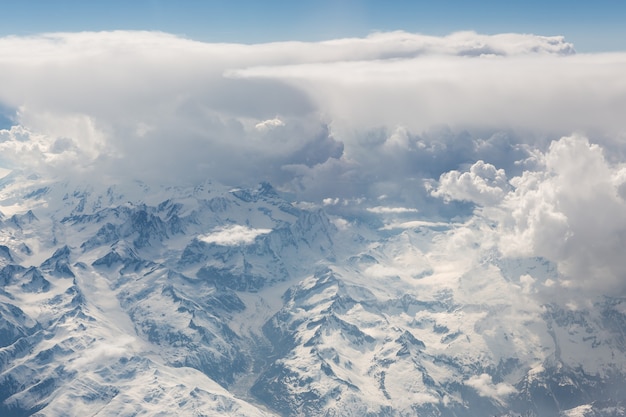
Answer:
(140, 300)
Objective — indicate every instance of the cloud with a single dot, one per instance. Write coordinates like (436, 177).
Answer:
(269, 124)
(233, 235)
(100, 352)
(154, 106)
(486, 388)
(144, 95)
(351, 119)
(20, 148)
(391, 210)
(532, 91)
(413, 224)
(514, 133)
(483, 184)
(571, 210)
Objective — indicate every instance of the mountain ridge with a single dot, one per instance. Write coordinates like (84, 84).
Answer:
(212, 299)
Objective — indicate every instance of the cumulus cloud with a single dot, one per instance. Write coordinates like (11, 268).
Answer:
(20, 148)
(233, 235)
(485, 387)
(570, 210)
(269, 124)
(482, 184)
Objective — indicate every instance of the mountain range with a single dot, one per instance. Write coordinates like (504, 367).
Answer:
(134, 300)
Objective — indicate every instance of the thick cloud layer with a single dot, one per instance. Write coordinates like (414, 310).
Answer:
(403, 124)
(157, 106)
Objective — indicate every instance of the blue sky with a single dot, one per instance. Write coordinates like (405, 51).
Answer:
(591, 26)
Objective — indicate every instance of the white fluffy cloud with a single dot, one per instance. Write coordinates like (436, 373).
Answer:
(233, 235)
(485, 387)
(392, 210)
(482, 184)
(571, 210)
(269, 124)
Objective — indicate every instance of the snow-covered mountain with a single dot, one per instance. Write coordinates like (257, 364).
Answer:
(209, 300)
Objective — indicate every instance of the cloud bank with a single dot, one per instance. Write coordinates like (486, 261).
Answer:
(517, 130)
(153, 105)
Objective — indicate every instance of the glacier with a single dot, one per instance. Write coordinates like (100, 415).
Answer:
(207, 300)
